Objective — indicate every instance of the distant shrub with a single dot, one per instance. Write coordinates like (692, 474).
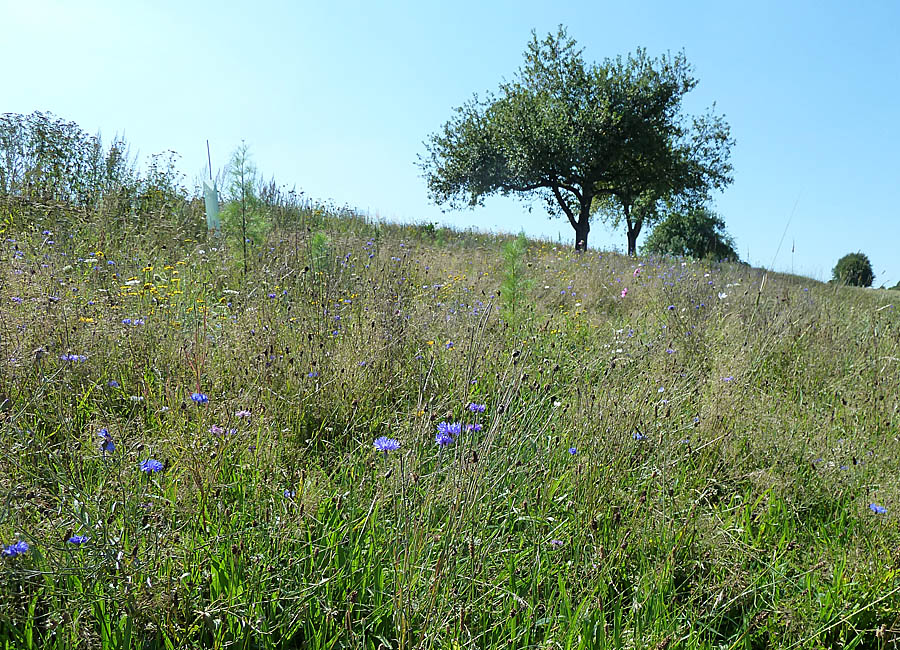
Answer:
(854, 269)
(699, 233)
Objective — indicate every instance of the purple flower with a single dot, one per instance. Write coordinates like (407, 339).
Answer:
(476, 408)
(671, 307)
(573, 450)
(877, 509)
(199, 398)
(289, 494)
(313, 374)
(556, 543)
(474, 427)
(151, 465)
(112, 383)
(728, 378)
(78, 539)
(107, 445)
(638, 436)
(18, 548)
(385, 444)
(73, 358)
(242, 414)
(216, 430)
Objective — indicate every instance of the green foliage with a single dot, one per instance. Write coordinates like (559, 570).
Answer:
(515, 283)
(244, 218)
(698, 233)
(853, 269)
(320, 255)
(570, 133)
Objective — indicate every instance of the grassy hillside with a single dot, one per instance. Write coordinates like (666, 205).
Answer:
(707, 461)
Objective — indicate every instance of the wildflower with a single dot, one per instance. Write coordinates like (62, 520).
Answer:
(151, 465)
(78, 539)
(385, 444)
(638, 436)
(289, 494)
(242, 414)
(272, 295)
(199, 398)
(624, 292)
(877, 509)
(728, 378)
(671, 307)
(556, 543)
(476, 408)
(448, 345)
(73, 358)
(216, 430)
(443, 439)
(474, 427)
(636, 273)
(126, 321)
(573, 450)
(16, 300)
(313, 374)
(17, 548)
(661, 390)
(107, 445)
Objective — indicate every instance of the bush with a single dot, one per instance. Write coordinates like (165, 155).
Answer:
(699, 233)
(854, 269)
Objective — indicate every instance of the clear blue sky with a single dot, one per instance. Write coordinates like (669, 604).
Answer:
(337, 98)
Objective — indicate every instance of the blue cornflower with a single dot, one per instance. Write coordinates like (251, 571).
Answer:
(385, 444)
(78, 539)
(443, 439)
(728, 378)
(638, 436)
(112, 383)
(151, 465)
(671, 307)
(126, 321)
(107, 446)
(289, 494)
(573, 450)
(476, 408)
(474, 427)
(18, 548)
(200, 398)
(313, 374)
(73, 358)
(877, 509)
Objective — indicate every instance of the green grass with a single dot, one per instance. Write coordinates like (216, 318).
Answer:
(730, 429)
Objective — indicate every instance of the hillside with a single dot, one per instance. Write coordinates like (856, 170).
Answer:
(706, 460)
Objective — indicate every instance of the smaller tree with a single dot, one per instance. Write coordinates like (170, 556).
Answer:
(243, 216)
(698, 233)
(853, 269)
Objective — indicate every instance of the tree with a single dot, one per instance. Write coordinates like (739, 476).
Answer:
(698, 233)
(570, 133)
(243, 213)
(853, 269)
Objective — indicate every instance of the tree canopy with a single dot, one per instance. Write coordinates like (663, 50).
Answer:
(582, 137)
(854, 269)
(698, 233)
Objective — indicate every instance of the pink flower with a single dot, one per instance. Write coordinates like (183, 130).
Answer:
(637, 272)
(624, 292)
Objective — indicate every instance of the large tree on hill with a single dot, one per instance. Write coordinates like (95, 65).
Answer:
(698, 233)
(570, 133)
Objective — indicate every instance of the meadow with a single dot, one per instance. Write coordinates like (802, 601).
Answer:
(388, 436)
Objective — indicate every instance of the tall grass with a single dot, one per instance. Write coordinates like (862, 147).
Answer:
(697, 464)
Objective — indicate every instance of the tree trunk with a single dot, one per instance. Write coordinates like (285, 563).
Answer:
(581, 237)
(632, 241)
(583, 226)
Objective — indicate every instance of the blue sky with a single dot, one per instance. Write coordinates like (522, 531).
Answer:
(337, 99)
